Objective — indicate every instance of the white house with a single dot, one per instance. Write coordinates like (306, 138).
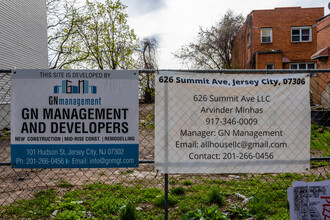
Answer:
(23, 44)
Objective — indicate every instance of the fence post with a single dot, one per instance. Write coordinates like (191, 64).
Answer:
(166, 153)
(166, 196)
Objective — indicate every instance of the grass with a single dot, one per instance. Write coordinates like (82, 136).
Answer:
(320, 140)
(64, 184)
(178, 191)
(128, 212)
(160, 201)
(187, 182)
(266, 193)
(126, 172)
(216, 197)
(191, 197)
(4, 134)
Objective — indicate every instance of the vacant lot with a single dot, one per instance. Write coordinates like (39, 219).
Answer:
(100, 193)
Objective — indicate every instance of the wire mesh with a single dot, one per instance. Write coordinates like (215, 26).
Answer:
(106, 193)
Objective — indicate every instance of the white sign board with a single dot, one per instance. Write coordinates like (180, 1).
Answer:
(216, 123)
(74, 119)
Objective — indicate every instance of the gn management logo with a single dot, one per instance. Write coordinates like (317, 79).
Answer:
(77, 87)
(81, 87)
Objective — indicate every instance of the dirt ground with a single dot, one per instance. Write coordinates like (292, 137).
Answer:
(16, 184)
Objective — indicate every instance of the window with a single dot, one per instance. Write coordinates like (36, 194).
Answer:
(266, 35)
(269, 66)
(249, 40)
(302, 66)
(301, 34)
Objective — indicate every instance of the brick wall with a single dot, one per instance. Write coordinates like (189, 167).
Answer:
(242, 53)
(264, 58)
(323, 40)
(280, 20)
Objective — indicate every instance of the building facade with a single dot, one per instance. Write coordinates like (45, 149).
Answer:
(23, 44)
(23, 35)
(322, 82)
(281, 38)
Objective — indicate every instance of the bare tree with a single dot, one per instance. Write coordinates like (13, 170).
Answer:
(148, 53)
(213, 47)
(148, 60)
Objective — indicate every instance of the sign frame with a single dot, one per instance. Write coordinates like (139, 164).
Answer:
(74, 119)
(180, 147)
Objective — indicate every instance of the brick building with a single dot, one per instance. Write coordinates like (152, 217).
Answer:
(281, 38)
(321, 56)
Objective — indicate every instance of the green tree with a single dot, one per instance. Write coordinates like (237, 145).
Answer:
(62, 28)
(106, 35)
(213, 47)
(94, 36)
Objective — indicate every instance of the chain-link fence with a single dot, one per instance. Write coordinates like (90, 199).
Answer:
(109, 193)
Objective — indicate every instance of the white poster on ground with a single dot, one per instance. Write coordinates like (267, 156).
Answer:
(242, 123)
(309, 200)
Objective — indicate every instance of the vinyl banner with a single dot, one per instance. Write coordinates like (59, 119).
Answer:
(233, 123)
(74, 119)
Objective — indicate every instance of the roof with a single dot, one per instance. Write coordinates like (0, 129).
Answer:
(286, 8)
(323, 18)
(321, 53)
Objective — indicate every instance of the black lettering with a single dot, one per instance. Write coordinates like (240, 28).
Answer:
(29, 113)
(125, 127)
(116, 127)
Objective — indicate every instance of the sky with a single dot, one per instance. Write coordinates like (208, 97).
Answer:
(175, 23)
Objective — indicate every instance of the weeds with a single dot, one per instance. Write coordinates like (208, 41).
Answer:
(4, 134)
(178, 191)
(266, 199)
(212, 212)
(187, 183)
(126, 172)
(238, 212)
(128, 212)
(64, 184)
(259, 206)
(211, 197)
(70, 215)
(320, 137)
(160, 201)
(216, 197)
